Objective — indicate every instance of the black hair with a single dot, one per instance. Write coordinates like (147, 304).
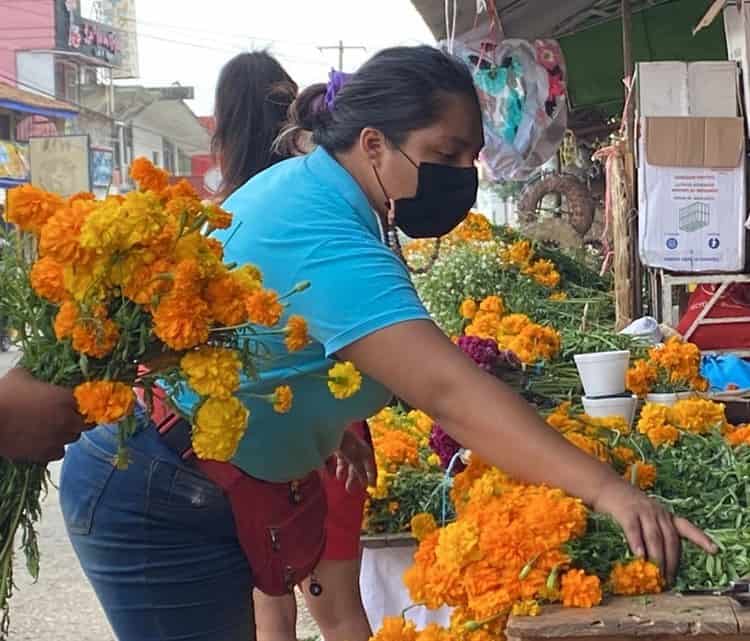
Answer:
(399, 90)
(253, 96)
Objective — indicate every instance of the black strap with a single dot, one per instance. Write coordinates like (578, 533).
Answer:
(176, 433)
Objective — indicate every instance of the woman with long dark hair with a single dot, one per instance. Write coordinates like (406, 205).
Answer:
(396, 148)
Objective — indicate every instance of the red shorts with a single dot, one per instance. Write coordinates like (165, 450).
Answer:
(345, 510)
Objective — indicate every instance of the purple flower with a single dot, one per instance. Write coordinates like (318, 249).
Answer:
(446, 447)
(483, 351)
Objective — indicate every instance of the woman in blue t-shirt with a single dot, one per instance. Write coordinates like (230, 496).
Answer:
(396, 148)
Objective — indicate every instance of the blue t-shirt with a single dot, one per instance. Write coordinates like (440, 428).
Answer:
(307, 219)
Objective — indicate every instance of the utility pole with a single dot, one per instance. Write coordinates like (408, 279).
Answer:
(341, 48)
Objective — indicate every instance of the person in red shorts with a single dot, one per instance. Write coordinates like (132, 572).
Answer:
(332, 594)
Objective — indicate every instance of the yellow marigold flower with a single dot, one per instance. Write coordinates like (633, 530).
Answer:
(344, 380)
(468, 309)
(698, 416)
(296, 334)
(739, 436)
(458, 544)
(382, 485)
(95, 336)
(493, 304)
(263, 307)
(653, 416)
(217, 217)
(104, 401)
(544, 273)
(624, 455)
(66, 318)
(180, 322)
(225, 298)
(195, 246)
(519, 253)
(422, 525)
(48, 280)
(87, 281)
(663, 435)
(396, 629)
(30, 208)
(212, 371)
(635, 578)
(282, 399)
(421, 421)
(147, 176)
(249, 277)
(579, 590)
(558, 297)
(219, 425)
(529, 608)
(641, 377)
(642, 475)
(60, 236)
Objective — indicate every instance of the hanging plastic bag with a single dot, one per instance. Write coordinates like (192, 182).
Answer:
(523, 104)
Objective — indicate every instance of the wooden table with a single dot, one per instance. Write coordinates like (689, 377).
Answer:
(664, 617)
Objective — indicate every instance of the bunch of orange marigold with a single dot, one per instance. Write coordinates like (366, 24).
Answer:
(517, 333)
(672, 367)
(520, 255)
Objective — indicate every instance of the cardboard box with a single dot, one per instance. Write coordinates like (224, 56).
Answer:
(692, 194)
(737, 31)
(701, 89)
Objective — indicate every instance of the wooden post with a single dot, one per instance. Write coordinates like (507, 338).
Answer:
(634, 266)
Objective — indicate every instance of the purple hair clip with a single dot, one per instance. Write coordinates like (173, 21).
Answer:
(336, 80)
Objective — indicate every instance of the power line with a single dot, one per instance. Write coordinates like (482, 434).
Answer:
(341, 49)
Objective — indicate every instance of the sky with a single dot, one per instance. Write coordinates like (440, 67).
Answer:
(188, 41)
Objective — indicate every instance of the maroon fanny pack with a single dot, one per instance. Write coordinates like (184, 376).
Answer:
(280, 526)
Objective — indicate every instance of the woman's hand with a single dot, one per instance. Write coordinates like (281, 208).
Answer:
(355, 462)
(37, 419)
(652, 532)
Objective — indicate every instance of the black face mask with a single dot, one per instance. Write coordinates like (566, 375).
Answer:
(445, 194)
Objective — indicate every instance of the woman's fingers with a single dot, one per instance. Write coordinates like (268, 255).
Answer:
(672, 546)
(695, 535)
(654, 540)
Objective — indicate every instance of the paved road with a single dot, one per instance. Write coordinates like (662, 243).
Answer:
(61, 606)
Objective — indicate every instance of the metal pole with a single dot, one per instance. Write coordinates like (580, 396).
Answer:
(341, 55)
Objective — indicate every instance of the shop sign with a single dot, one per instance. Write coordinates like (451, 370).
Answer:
(93, 39)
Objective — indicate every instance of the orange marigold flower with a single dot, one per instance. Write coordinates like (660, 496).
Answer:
(591, 446)
(48, 280)
(148, 281)
(739, 436)
(544, 273)
(468, 309)
(81, 196)
(395, 448)
(519, 253)
(422, 525)
(184, 208)
(30, 208)
(663, 435)
(188, 278)
(635, 578)
(218, 218)
(493, 304)
(624, 455)
(580, 590)
(263, 307)
(282, 399)
(558, 297)
(148, 177)
(60, 236)
(396, 629)
(641, 377)
(642, 475)
(180, 322)
(182, 189)
(296, 334)
(95, 337)
(225, 300)
(66, 319)
(104, 401)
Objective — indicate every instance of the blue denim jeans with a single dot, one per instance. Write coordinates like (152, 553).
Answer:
(157, 542)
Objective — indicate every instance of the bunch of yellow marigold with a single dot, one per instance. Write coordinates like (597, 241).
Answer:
(520, 254)
(139, 284)
(529, 341)
(672, 367)
(664, 425)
